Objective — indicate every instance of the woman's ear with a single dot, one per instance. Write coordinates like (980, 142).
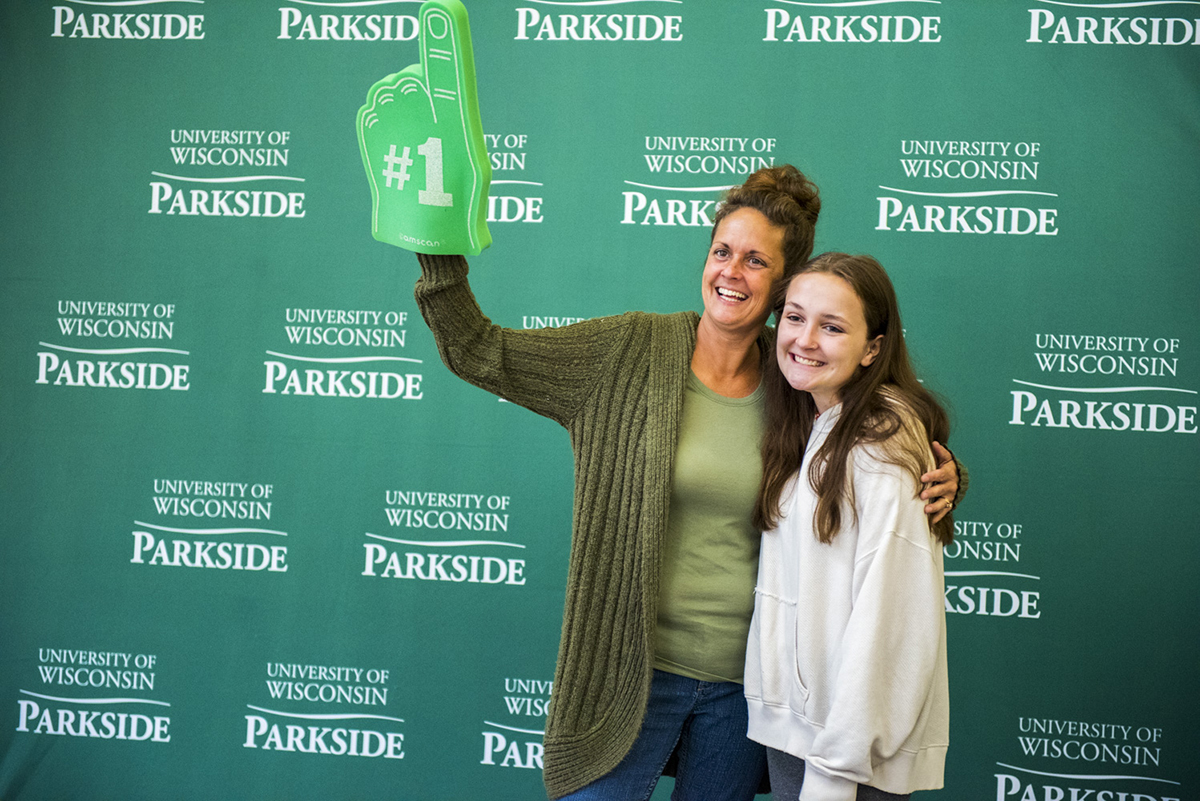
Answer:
(872, 351)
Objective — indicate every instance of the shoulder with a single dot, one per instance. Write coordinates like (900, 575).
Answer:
(678, 321)
(907, 445)
(661, 340)
(912, 430)
(676, 330)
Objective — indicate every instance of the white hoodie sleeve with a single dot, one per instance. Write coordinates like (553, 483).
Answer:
(889, 650)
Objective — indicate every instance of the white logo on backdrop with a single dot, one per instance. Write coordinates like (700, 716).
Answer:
(226, 149)
(1005, 211)
(54, 367)
(72, 23)
(1112, 30)
(335, 740)
(544, 24)
(445, 511)
(326, 684)
(508, 156)
(104, 718)
(289, 379)
(1116, 747)
(854, 28)
(1126, 407)
(505, 747)
(201, 547)
(974, 542)
(665, 203)
(300, 25)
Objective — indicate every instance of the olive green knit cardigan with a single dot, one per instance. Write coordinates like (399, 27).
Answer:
(616, 384)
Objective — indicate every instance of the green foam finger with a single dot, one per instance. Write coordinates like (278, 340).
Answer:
(422, 144)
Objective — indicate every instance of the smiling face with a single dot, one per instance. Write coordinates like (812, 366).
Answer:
(823, 337)
(744, 260)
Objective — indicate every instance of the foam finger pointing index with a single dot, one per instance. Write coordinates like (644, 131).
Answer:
(441, 37)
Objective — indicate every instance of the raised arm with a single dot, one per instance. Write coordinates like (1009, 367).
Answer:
(550, 371)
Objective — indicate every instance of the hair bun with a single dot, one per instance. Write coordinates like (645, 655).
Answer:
(786, 180)
(786, 197)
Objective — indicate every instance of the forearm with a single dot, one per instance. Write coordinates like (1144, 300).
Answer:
(464, 335)
(549, 371)
(963, 480)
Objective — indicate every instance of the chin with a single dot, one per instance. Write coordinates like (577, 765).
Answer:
(796, 384)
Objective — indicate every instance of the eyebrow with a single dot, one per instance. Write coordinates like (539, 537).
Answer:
(798, 307)
(721, 243)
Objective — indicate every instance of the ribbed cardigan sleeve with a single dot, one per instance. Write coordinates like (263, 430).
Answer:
(550, 371)
(964, 481)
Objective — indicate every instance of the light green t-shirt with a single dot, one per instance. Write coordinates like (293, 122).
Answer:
(710, 557)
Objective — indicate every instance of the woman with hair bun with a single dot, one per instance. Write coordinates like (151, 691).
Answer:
(846, 661)
(665, 417)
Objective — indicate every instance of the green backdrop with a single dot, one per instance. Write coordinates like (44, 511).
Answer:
(259, 543)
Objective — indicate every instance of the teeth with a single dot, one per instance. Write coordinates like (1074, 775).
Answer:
(808, 362)
(729, 293)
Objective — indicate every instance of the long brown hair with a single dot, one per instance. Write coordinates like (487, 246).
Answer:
(875, 403)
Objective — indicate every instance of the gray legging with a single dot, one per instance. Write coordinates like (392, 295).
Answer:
(787, 775)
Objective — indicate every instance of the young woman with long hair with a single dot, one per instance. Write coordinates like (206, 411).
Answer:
(846, 661)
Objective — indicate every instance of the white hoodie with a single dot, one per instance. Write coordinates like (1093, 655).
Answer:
(846, 659)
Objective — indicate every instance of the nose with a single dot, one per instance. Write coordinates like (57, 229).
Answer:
(806, 337)
(733, 268)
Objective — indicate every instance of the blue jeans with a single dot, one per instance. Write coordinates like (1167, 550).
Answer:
(707, 720)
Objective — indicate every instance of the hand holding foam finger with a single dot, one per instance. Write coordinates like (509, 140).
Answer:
(422, 144)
